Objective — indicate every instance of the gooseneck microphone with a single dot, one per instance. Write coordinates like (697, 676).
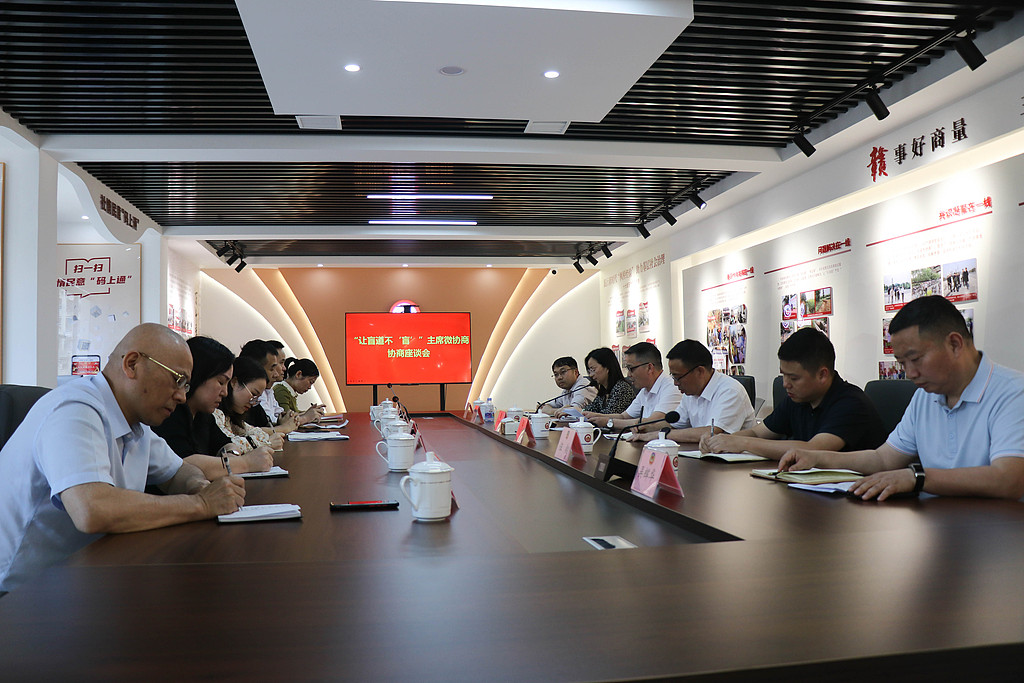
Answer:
(589, 383)
(403, 412)
(670, 417)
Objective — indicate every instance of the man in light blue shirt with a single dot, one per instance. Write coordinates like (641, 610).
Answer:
(77, 465)
(963, 432)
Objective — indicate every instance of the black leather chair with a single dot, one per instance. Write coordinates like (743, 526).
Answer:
(15, 402)
(778, 392)
(748, 383)
(891, 398)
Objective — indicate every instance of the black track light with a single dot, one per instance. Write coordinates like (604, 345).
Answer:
(607, 251)
(642, 229)
(577, 266)
(590, 257)
(969, 52)
(669, 218)
(241, 265)
(224, 249)
(804, 144)
(876, 104)
(697, 201)
(234, 257)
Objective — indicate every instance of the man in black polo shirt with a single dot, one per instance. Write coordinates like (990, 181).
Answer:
(820, 407)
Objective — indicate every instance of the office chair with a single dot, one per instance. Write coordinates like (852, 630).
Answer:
(890, 398)
(778, 392)
(15, 402)
(748, 383)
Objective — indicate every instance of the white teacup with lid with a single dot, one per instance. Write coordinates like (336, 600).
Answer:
(588, 433)
(428, 486)
(540, 423)
(386, 415)
(400, 449)
(667, 446)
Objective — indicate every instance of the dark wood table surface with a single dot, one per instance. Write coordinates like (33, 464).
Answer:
(818, 588)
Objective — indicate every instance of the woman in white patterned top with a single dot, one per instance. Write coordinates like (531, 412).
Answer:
(247, 384)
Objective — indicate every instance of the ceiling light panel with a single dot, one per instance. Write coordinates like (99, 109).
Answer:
(610, 45)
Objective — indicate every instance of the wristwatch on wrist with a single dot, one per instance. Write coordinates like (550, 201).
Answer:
(611, 425)
(918, 470)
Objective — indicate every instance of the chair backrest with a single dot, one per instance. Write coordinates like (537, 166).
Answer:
(890, 398)
(748, 383)
(778, 392)
(15, 402)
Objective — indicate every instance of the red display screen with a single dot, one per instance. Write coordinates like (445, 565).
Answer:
(408, 348)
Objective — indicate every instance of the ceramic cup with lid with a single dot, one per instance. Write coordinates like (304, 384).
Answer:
(669, 448)
(588, 433)
(428, 486)
(385, 417)
(540, 424)
(399, 450)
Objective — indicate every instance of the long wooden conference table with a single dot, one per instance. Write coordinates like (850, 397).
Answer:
(741, 579)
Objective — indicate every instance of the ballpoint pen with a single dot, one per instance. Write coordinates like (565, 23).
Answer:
(227, 466)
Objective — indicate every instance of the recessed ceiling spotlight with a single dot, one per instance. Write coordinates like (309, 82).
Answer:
(489, 265)
(319, 265)
(405, 265)
(452, 70)
(85, 218)
(352, 68)
(551, 74)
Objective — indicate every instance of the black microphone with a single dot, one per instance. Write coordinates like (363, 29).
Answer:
(589, 383)
(403, 412)
(670, 417)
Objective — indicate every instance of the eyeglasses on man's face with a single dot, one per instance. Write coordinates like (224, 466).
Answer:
(679, 378)
(631, 368)
(559, 374)
(181, 380)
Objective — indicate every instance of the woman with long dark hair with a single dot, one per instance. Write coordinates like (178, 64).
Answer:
(191, 430)
(247, 382)
(614, 393)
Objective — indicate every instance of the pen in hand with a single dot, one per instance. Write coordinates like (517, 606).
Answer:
(227, 466)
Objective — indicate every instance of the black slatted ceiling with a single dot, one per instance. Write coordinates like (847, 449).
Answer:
(187, 194)
(743, 73)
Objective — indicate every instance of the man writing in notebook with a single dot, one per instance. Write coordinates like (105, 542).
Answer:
(657, 395)
(711, 402)
(821, 410)
(77, 465)
(963, 432)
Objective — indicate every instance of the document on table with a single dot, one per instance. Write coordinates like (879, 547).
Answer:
(274, 471)
(724, 457)
(321, 425)
(263, 513)
(317, 436)
(842, 487)
(811, 476)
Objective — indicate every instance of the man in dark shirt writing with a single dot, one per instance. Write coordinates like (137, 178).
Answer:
(820, 407)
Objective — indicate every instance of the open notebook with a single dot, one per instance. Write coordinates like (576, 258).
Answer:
(811, 476)
(274, 471)
(724, 457)
(317, 436)
(263, 513)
